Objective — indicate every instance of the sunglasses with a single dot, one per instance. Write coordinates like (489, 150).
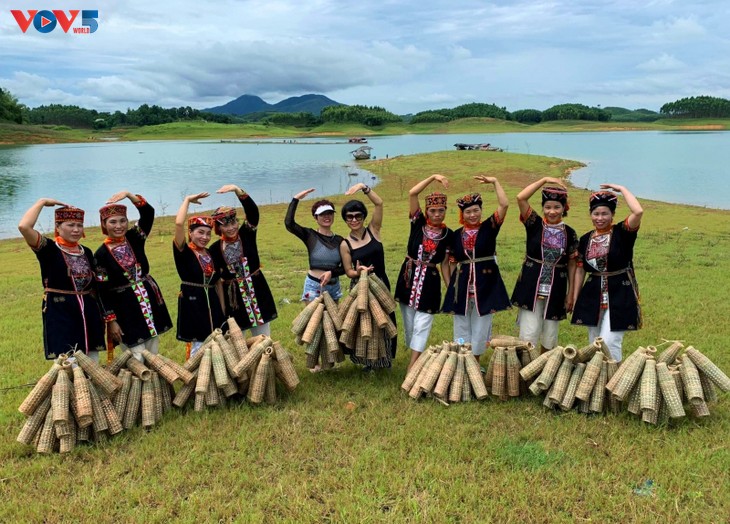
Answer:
(352, 217)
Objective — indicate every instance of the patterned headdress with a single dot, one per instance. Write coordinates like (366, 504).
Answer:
(603, 198)
(557, 194)
(472, 199)
(69, 213)
(201, 220)
(222, 216)
(108, 211)
(435, 200)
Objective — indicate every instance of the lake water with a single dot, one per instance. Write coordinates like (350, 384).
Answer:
(671, 166)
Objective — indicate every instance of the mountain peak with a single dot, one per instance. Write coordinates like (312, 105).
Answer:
(246, 104)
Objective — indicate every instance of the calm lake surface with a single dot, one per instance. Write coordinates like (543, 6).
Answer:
(682, 167)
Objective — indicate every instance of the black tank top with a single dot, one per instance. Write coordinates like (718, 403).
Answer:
(371, 254)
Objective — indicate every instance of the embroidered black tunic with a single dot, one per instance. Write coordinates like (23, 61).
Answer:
(126, 287)
(247, 294)
(490, 292)
(623, 291)
(199, 309)
(419, 281)
(538, 244)
(72, 317)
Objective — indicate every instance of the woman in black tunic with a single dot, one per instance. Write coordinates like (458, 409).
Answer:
(608, 301)
(72, 317)
(200, 302)
(543, 289)
(136, 311)
(418, 288)
(248, 297)
(363, 249)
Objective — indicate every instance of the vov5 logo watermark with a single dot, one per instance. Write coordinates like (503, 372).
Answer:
(46, 20)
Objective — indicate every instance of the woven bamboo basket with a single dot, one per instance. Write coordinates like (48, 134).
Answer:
(83, 398)
(112, 419)
(212, 397)
(505, 341)
(218, 363)
(714, 373)
(310, 361)
(148, 404)
(708, 389)
(67, 443)
(257, 389)
(47, 440)
(378, 314)
(139, 370)
(83, 434)
(590, 375)
(119, 362)
(598, 395)
(330, 333)
(448, 370)
(429, 355)
(622, 366)
(413, 372)
(253, 355)
(457, 383)
(351, 318)
(299, 324)
(490, 371)
(548, 401)
(669, 391)
(499, 373)
(236, 335)
(366, 325)
(652, 416)
(131, 410)
(381, 292)
(193, 362)
(35, 422)
(205, 370)
(630, 376)
(362, 291)
(474, 375)
(547, 375)
(160, 366)
(633, 402)
(344, 307)
(120, 399)
(373, 346)
(534, 368)
(670, 354)
(691, 381)
(700, 409)
(157, 390)
(466, 393)
(40, 391)
(313, 324)
(183, 394)
(107, 382)
(99, 422)
(288, 375)
(677, 377)
(331, 307)
(512, 364)
(562, 379)
(648, 387)
(586, 353)
(60, 399)
(569, 398)
(199, 404)
(270, 393)
(314, 346)
(431, 374)
(182, 373)
(604, 347)
(230, 355)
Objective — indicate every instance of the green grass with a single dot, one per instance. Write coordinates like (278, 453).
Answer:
(391, 459)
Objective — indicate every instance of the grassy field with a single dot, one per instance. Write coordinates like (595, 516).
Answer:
(312, 458)
(19, 134)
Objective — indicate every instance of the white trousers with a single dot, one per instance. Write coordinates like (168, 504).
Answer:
(613, 339)
(536, 329)
(150, 345)
(474, 329)
(417, 327)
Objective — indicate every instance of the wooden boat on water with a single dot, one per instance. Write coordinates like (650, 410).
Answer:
(357, 140)
(361, 153)
(476, 147)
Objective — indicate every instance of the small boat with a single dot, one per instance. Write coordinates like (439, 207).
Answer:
(476, 147)
(357, 140)
(361, 153)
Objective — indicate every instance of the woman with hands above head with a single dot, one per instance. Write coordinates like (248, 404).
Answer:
(418, 288)
(323, 248)
(608, 301)
(363, 249)
(247, 296)
(476, 290)
(543, 291)
(72, 317)
(136, 313)
(200, 302)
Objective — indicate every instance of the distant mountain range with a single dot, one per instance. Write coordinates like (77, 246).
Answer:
(247, 104)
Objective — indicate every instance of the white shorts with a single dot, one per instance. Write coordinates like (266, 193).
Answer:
(474, 329)
(417, 327)
(534, 328)
(613, 339)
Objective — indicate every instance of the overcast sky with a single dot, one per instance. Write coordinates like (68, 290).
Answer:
(406, 56)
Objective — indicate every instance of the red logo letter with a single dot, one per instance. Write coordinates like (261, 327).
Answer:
(63, 20)
(22, 22)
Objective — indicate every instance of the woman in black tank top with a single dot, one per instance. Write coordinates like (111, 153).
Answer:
(362, 248)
